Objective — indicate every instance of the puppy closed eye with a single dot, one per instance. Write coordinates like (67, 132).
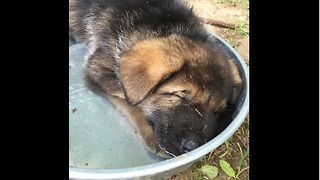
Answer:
(180, 96)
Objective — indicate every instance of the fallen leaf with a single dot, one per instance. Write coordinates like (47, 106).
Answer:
(210, 171)
(225, 166)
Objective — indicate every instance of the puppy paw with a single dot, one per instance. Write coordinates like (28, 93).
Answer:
(155, 148)
(137, 119)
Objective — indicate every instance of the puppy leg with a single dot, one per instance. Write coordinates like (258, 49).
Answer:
(137, 119)
(101, 76)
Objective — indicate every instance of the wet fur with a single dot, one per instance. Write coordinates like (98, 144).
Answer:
(155, 61)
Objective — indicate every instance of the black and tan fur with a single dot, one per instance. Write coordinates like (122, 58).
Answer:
(155, 61)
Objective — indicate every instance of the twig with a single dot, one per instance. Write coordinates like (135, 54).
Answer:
(217, 23)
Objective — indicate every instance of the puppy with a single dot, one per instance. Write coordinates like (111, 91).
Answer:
(154, 60)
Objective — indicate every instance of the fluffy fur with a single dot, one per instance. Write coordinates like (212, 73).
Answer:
(154, 60)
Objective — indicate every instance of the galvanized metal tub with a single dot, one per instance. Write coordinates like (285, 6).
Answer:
(102, 143)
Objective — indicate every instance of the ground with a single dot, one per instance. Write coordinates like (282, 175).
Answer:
(236, 151)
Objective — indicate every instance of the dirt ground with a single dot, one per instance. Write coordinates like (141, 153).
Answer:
(225, 11)
(233, 12)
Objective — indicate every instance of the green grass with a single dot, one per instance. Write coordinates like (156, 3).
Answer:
(243, 156)
(239, 30)
(229, 148)
(243, 3)
(208, 169)
(232, 43)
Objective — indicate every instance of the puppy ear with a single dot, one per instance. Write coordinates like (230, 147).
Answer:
(144, 67)
(237, 81)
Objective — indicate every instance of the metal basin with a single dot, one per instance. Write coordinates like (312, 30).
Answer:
(102, 143)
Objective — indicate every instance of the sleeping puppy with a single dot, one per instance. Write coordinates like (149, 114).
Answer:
(155, 61)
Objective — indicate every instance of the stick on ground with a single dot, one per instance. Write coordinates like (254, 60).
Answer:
(217, 23)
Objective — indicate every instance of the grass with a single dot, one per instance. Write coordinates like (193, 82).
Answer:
(243, 3)
(240, 30)
(232, 43)
(228, 148)
(242, 158)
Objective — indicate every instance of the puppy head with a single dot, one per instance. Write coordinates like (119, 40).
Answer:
(183, 88)
(144, 67)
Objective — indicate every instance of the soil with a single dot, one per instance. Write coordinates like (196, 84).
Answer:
(228, 13)
(231, 12)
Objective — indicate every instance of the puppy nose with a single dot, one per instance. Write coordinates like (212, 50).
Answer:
(188, 146)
